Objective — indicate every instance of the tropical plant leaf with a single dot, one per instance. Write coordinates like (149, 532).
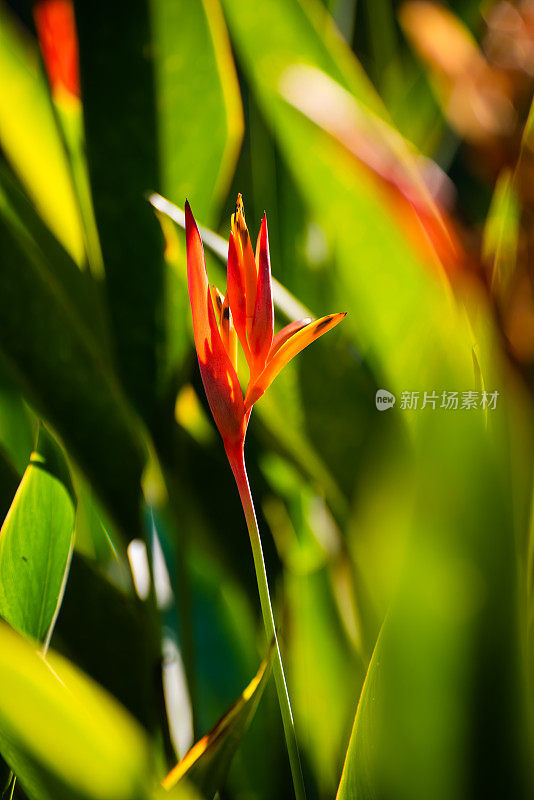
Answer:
(501, 233)
(50, 350)
(197, 158)
(41, 162)
(208, 761)
(83, 293)
(61, 734)
(117, 80)
(362, 763)
(17, 428)
(35, 543)
(182, 791)
(104, 631)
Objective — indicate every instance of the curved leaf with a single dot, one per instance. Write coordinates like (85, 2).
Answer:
(35, 543)
(61, 734)
(208, 761)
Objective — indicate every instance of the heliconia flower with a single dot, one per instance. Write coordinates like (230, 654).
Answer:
(56, 29)
(244, 313)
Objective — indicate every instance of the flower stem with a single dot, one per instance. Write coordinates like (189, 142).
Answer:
(237, 462)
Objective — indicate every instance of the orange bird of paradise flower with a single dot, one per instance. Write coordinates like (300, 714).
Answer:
(245, 314)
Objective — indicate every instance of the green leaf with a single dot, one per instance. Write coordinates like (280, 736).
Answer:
(117, 79)
(51, 351)
(208, 761)
(17, 433)
(423, 724)
(40, 161)
(323, 649)
(82, 291)
(62, 735)
(104, 631)
(358, 779)
(35, 543)
(501, 233)
(296, 36)
(182, 791)
(94, 531)
(197, 158)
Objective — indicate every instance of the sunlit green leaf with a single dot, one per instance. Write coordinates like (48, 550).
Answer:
(40, 161)
(358, 779)
(35, 543)
(208, 761)
(63, 736)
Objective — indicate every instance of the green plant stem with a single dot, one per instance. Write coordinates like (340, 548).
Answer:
(237, 462)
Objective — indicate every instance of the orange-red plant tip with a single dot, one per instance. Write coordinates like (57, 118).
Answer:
(190, 222)
(56, 30)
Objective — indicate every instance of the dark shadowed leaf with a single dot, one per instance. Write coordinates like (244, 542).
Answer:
(51, 352)
(118, 92)
(107, 633)
(17, 427)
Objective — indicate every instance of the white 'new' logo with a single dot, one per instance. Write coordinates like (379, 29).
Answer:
(384, 399)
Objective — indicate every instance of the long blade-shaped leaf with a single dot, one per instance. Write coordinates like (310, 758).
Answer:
(118, 94)
(197, 159)
(39, 159)
(62, 368)
(63, 736)
(208, 761)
